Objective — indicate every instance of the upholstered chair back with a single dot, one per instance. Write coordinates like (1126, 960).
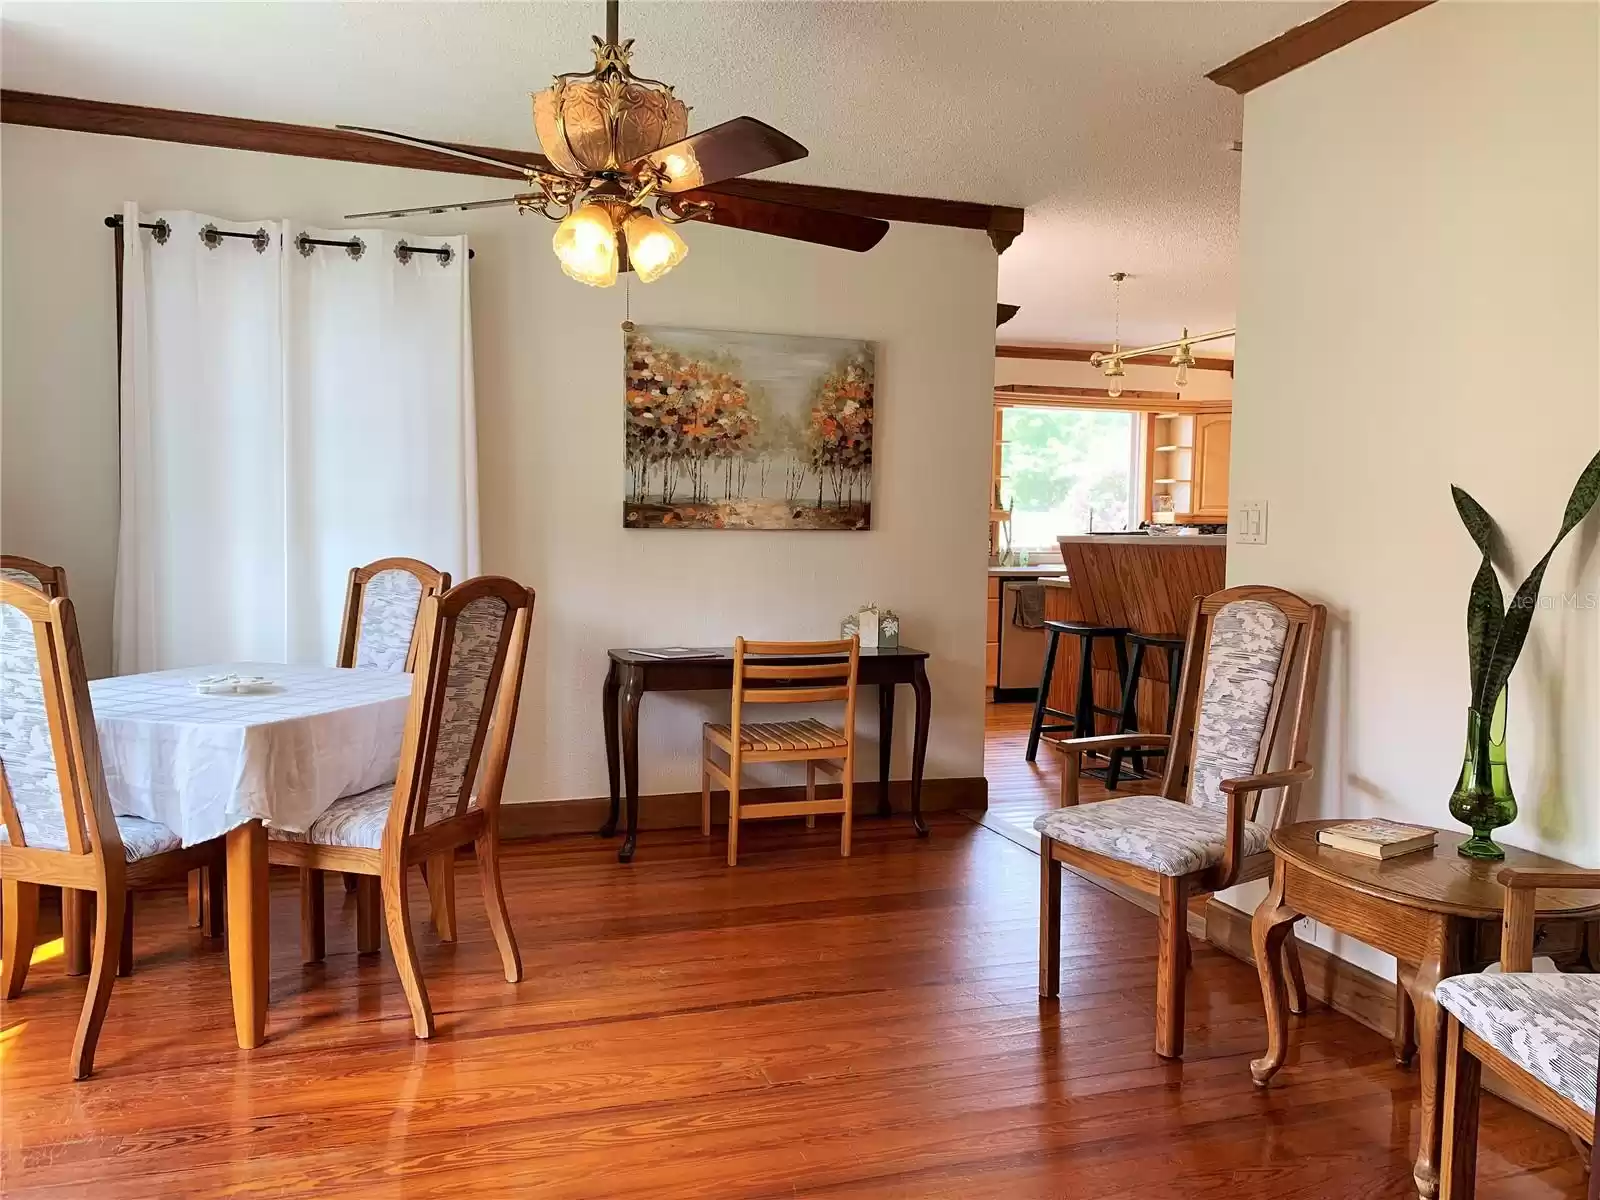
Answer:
(472, 646)
(1231, 697)
(1243, 661)
(42, 577)
(380, 613)
(52, 791)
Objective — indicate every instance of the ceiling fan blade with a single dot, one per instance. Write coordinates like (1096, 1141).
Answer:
(1004, 313)
(735, 147)
(405, 139)
(843, 230)
(437, 208)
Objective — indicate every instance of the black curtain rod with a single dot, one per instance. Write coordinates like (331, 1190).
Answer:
(304, 243)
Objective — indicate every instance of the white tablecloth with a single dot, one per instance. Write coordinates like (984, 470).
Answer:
(202, 765)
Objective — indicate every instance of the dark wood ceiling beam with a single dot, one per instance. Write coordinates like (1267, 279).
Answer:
(309, 141)
(1082, 353)
(1308, 42)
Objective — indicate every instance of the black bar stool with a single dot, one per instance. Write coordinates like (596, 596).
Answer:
(1081, 720)
(1173, 645)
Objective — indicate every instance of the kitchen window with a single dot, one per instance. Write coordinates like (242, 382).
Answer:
(1067, 470)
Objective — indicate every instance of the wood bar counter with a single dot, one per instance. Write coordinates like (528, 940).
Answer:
(1147, 583)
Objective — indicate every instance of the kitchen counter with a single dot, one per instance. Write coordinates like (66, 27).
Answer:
(1142, 583)
(1033, 572)
(1143, 539)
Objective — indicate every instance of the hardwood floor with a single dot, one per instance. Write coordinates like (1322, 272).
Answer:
(1019, 790)
(802, 1025)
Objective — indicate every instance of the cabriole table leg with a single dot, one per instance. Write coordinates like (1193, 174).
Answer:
(1272, 924)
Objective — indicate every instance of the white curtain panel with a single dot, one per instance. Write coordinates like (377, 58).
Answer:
(200, 559)
(284, 418)
(382, 447)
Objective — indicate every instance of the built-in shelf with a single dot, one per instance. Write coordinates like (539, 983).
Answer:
(1193, 466)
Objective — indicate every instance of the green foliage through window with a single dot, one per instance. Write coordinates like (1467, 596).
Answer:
(1060, 465)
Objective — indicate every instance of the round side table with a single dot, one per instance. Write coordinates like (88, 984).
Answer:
(1437, 913)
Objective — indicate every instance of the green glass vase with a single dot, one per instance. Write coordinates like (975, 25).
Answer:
(1483, 800)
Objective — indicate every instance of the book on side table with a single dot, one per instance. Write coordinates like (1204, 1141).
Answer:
(1377, 838)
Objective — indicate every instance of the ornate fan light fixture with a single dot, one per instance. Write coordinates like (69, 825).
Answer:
(618, 164)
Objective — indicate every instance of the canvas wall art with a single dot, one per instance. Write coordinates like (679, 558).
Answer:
(728, 430)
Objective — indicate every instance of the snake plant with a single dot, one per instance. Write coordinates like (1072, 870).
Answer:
(1495, 636)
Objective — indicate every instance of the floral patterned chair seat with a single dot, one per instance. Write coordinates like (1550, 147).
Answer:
(357, 821)
(1164, 836)
(140, 838)
(1548, 1024)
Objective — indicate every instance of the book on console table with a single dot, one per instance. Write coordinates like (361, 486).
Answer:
(1377, 838)
(677, 652)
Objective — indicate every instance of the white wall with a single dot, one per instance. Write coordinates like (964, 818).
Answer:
(548, 367)
(1419, 308)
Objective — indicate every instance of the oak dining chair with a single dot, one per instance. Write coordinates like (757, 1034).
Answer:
(381, 607)
(472, 644)
(59, 827)
(42, 577)
(77, 916)
(383, 601)
(793, 679)
(1199, 833)
(1540, 1031)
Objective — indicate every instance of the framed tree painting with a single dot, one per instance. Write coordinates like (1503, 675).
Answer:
(729, 430)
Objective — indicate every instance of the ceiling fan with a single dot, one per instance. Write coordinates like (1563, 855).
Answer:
(617, 146)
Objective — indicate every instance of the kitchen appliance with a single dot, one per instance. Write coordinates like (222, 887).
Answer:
(1021, 650)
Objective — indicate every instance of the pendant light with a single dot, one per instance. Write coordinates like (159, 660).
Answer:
(1183, 359)
(1113, 367)
(1110, 361)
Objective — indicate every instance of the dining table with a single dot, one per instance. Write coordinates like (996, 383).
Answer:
(234, 764)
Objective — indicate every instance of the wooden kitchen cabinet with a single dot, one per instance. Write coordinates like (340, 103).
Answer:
(991, 650)
(1213, 438)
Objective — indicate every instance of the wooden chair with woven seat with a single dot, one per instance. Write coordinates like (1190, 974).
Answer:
(800, 673)
(59, 827)
(1198, 834)
(381, 608)
(472, 645)
(1539, 1032)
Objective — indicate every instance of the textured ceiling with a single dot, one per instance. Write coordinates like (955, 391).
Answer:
(1096, 117)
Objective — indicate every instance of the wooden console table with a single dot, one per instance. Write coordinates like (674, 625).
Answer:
(1437, 913)
(632, 674)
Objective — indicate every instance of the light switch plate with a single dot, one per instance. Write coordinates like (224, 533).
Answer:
(1250, 523)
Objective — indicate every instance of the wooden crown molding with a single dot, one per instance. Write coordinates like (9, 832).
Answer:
(309, 141)
(1033, 395)
(1308, 42)
(1015, 392)
(1082, 353)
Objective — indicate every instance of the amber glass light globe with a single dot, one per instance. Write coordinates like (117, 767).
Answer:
(586, 246)
(654, 247)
